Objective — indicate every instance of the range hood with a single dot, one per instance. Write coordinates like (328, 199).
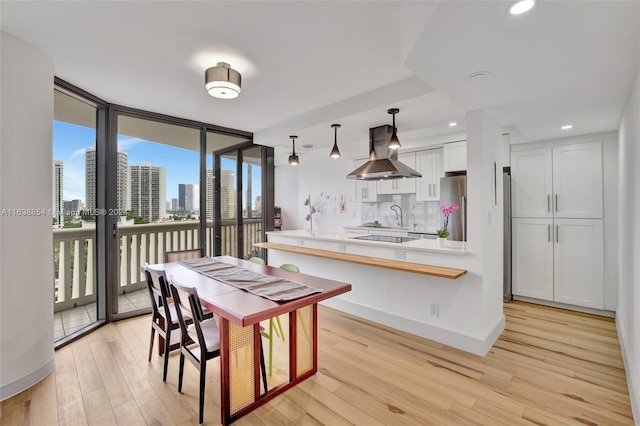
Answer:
(383, 162)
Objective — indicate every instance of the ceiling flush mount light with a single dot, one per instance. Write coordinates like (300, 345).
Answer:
(567, 127)
(335, 152)
(394, 142)
(521, 6)
(222, 81)
(293, 158)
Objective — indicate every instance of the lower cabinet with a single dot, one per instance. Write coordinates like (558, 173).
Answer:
(560, 260)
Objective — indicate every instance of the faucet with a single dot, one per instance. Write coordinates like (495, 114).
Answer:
(413, 220)
(398, 214)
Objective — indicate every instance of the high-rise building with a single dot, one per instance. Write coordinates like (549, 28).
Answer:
(122, 183)
(188, 197)
(73, 208)
(148, 191)
(58, 184)
(174, 204)
(182, 188)
(258, 206)
(227, 195)
(209, 194)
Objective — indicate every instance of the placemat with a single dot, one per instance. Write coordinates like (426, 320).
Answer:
(273, 288)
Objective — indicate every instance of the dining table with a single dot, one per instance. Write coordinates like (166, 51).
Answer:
(240, 313)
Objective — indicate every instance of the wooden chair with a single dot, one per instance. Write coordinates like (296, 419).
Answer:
(163, 319)
(177, 256)
(205, 334)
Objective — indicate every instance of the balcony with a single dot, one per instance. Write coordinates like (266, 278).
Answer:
(75, 267)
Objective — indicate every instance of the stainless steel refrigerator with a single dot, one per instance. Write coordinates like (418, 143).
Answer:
(506, 187)
(453, 189)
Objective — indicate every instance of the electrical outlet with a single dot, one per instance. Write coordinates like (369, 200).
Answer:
(342, 247)
(399, 254)
(435, 310)
(301, 242)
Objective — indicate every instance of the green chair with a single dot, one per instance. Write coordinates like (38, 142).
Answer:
(294, 268)
(289, 267)
(272, 327)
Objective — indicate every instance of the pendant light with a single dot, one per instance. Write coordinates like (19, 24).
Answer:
(394, 143)
(293, 158)
(335, 152)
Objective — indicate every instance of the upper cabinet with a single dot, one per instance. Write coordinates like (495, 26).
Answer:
(400, 186)
(429, 164)
(366, 191)
(563, 181)
(455, 156)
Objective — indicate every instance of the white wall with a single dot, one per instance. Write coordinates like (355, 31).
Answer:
(628, 313)
(286, 195)
(312, 177)
(484, 220)
(26, 255)
(610, 213)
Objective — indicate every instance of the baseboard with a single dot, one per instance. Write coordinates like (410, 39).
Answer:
(629, 369)
(26, 382)
(475, 345)
(602, 313)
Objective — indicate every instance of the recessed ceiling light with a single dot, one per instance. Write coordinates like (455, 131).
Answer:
(567, 127)
(308, 146)
(477, 76)
(453, 124)
(521, 6)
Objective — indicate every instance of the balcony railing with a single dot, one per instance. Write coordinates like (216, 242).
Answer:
(74, 254)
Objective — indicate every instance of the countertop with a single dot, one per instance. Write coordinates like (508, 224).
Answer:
(420, 244)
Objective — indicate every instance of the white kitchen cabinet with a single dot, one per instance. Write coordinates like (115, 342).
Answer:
(563, 181)
(577, 180)
(366, 191)
(532, 258)
(578, 262)
(429, 164)
(400, 186)
(455, 156)
(531, 183)
(559, 260)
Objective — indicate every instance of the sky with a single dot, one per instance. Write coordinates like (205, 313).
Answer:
(182, 166)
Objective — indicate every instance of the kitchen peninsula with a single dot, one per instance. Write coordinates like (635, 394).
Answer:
(413, 286)
(399, 253)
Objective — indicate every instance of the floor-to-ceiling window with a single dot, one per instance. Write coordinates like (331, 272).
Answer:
(130, 185)
(73, 212)
(157, 201)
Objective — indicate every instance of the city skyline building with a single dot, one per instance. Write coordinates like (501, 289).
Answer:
(148, 191)
(227, 194)
(122, 184)
(58, 191)
(209, 195)
(72, 208)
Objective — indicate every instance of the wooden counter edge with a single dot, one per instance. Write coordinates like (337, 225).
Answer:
(436, 271)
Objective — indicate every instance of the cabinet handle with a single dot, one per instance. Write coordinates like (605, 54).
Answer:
(366, 192)
(548, 233)
(430, 194)
(557, 234)
(556, 202)
(548, 203)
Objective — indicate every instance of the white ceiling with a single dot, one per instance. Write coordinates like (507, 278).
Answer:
(308, 64)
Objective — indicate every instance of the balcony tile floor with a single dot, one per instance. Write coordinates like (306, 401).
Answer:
(72, 320)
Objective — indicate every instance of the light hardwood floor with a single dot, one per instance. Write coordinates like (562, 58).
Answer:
(549, 367)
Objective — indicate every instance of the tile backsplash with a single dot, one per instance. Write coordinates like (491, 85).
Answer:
(425, 215)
